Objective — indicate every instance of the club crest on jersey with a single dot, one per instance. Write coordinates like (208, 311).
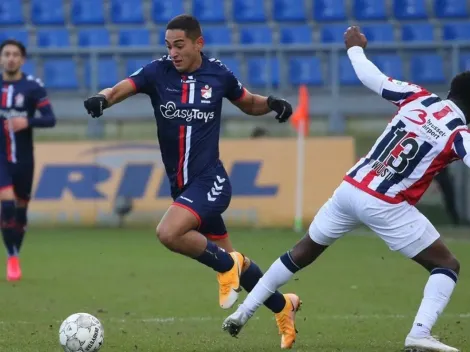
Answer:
(206, 92)
(19, 100)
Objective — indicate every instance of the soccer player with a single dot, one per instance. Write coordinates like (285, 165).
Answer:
(22, 96)
(426, 134)
(186, 89)
(7, 203)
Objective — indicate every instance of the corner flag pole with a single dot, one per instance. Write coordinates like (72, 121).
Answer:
(300, 176)
(300, 122)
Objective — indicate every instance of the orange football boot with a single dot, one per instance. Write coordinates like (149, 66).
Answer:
(285, 320)
(229, 282)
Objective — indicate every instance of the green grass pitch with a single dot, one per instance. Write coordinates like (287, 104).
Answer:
(358, 297)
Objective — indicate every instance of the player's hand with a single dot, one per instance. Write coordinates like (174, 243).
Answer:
(95, 105)
(282, 107)
(17, 123)
(354, 37)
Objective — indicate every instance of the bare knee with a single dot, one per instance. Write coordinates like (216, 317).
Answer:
(166, 235)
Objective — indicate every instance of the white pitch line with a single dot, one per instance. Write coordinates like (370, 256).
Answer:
(171, 320)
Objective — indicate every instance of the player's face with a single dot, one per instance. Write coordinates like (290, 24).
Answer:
(11, 59)
(183, 51)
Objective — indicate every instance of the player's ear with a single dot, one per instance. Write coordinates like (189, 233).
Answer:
(200, 42)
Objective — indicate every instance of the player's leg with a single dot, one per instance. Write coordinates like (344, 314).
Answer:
(177, 231)
(206, 198)
(333, 220)
(406, 230)
(7, 199)
(21, 219)
(284, 306)
(215, 230)
(23, 184)
(444, 269)
(7, 224)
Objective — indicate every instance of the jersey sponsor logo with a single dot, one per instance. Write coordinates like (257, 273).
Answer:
(10, 113)
(19, 100)
(433, 131)
(420, 119)
(169, 111)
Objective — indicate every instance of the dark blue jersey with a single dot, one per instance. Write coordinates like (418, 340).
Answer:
(187, 110)
(23, 98)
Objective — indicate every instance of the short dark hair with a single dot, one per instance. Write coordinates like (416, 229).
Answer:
(460, 91)
(16, 43)
(187, 23)
(460, 86)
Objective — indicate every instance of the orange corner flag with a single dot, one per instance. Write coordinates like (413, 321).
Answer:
(300, 115)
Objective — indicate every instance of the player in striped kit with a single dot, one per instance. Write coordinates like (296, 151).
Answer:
(426, 134)
(186, 90)
(24, 105)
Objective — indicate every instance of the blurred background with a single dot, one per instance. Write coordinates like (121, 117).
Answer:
(94, 175)
(78, 47)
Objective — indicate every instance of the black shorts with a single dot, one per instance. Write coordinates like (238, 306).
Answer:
(22, 175)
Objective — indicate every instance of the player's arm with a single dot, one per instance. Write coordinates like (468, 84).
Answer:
(121, 91)
(370, 75)
(254, 104)
(461, 146)
(46, 118)
(108, 97)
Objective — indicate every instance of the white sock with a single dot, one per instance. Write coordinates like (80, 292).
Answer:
(437, 293)
(276, 276)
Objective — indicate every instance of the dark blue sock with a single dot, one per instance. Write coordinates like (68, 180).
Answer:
(286, 259)
(216, 258)
(21, 222)
(250, 278)
(8, 225)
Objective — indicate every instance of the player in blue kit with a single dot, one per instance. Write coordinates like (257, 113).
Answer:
(186, 90)
(21, 97)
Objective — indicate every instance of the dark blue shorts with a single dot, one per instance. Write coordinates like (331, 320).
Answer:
(207, 197)
(22, 175)
(5, 174)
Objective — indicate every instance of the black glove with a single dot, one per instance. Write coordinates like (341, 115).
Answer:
(95, 105)
(281, 106)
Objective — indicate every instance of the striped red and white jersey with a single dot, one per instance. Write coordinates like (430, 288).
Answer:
(187, 109)
(426, 134)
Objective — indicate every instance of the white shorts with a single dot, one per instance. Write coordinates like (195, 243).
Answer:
(401, 226)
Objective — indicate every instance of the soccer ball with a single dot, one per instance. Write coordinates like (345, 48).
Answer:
(81, 332)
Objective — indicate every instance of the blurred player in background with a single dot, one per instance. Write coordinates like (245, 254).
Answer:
(380, 191)
(7, 204)
(22, 96)
(186, 89)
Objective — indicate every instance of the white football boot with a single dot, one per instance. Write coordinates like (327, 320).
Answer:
(426, 344)
(235, 322)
